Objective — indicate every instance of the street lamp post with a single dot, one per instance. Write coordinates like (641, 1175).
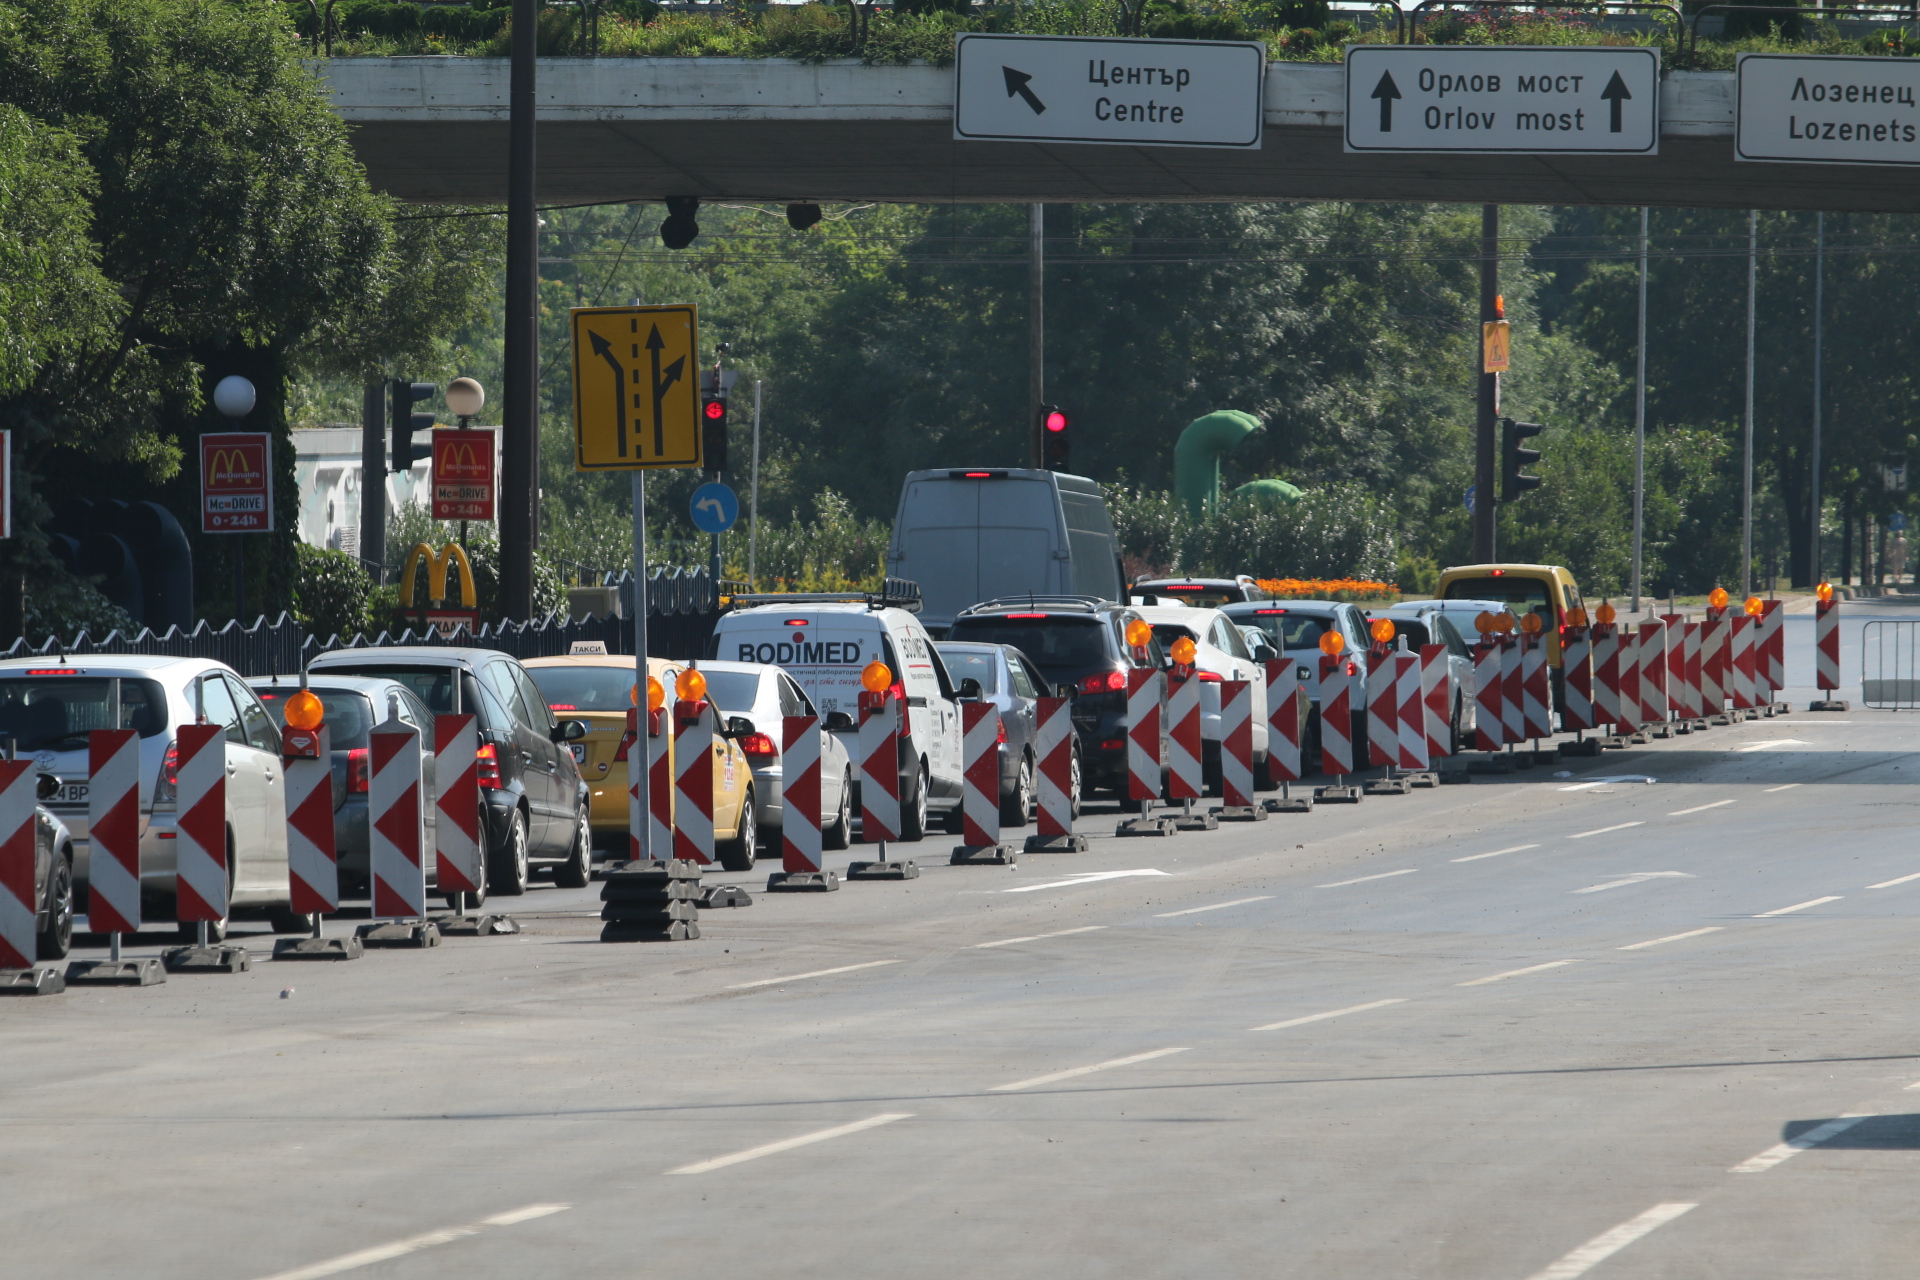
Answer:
(234, 397)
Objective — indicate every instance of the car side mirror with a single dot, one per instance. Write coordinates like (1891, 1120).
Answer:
(838, 721)
(739, 727)
(569, 731)
(970, 689)
(46, 786)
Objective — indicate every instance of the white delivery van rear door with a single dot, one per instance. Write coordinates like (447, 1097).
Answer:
(825, 656)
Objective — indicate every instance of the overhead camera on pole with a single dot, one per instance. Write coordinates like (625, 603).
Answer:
(1056, 442)
(1513, 482)
(680, 229)
(402, 421)
(803, 215)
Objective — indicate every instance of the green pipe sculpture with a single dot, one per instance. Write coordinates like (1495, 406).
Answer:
(1196, 456)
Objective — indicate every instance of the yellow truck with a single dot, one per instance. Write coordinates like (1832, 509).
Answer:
(1544, 589)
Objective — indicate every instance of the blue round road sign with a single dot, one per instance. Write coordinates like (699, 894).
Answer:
(1470, 489)
(714, 508)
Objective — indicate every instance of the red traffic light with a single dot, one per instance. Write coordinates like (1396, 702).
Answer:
(1056, 421)
(716, 409)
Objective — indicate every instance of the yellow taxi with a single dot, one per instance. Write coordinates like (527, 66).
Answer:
(598, 689)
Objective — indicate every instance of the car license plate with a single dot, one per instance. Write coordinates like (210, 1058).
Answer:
(579, 750)
(73, 793)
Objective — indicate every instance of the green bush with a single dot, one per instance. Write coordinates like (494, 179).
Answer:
(1335, 531)
(332, 594)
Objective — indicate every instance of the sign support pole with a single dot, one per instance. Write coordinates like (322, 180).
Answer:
(753, 526)
(1746, 495)
(639, 751)
(1485, 471)
(1036, 330)
(1819, 334)
(1640, 419)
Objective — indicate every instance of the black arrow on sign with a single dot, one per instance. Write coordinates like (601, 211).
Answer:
(1386, 91)
(1615, 93)
(604, 349)
(655, 344)
(1017, 83)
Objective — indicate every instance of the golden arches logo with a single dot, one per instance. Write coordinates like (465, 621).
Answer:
(437, 566)
(231, 469)
(460, 461)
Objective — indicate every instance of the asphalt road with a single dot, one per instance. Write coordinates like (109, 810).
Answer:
(1537, 1026)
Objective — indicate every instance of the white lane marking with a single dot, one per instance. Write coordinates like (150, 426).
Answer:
(1035, 937)
(1800, 906)
(1638, 877)
(1788, 787)
(788, 1144)
(1618, 826)
(1514, 973)
(1608, 1243)
(1914, 1085)
(413, 1244)
(1086, 877)
(1699, 808)
(1770, 744)
(1384, 875)
(1071, 1072)
(1475, 857)
(1322, 1017)
(1218, 906)
(1672, 937)
(1591, 783)
(1888, 884)
(1787, 1150)
(817, 973)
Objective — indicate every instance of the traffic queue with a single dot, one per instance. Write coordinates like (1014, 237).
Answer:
(143, 788)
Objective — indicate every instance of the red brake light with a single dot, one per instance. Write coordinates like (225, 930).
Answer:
(53, 671)
(1113, 744)
(796, 622)
(1026, 615)
(487, 766)
(1181, 586)
(1499, 573)
(1268, 612)
(1353, 668)
(561, 706)
(758, 746)
(977, 475)
(359, 770)
(170, 767)
(627, 740)
(1003, 730)
(1210, 677)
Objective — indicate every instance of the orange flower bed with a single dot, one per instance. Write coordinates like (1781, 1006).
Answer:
(1353, 589)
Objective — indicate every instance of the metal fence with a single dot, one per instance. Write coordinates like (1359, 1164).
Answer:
(1887, 665)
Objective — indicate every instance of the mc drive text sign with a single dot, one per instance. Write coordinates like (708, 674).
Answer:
(1826, 110)
(236, 482)
(462, 475)
(1543, 100)
(1157, 93)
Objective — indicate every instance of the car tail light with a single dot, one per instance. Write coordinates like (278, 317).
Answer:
(1003, 729)
(1113, 744)
(561, 706)
(757, 746)
(627, 740)
(487, 766)
(1211, 677)
(1102, 682)
(167, 790)
(1026, 615)
(359, 771)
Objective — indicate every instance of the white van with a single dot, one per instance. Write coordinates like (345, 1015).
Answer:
(824, 641)
(968, 534)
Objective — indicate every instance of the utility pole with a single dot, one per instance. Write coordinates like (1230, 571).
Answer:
(1746, 490)
(1819, 336)
(1036, 329)
(1485, 446)
(373, 475)
(520, 393)
(1640, 420)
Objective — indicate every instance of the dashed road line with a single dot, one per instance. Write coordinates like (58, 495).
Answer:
(788, 1144)
(1071, 1072)
(1475, 857)
(1672, 937)
(1794, 1146)
(1384, 875)
(1618, 826)
(1786, 787)
(1218, 906)
(1888, 884)
(1514, 973)
(1770, 744)
(817, 973)
(1638, 877)
(1331, 1013)
(1036, 937)
(1607, 1243)
(1699, 808)
(1085, 877)
(414, 1244)
(1800, 906)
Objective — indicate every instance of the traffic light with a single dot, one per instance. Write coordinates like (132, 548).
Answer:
(1513, 482)
(680, 229)
(713, 431)
(1055, 441)
(403, 422)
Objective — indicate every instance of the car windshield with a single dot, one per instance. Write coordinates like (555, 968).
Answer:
(55, 713)
(977, 664)
(1288, 629)
(734, 692)
(1520, 594)
(348, 714)
(1064, 646)
(586, 688)
(432, 685)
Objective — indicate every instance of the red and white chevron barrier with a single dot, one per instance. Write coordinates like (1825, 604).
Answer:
(1655, 638)
(1236, 744)
(1143, 736)
(19, 902)
(879, 768)
(1536, 690)
(396, 822)
(1336, 715)
(1283, 720)
(1513, 715)
(1826, 642)
(1383, 709)
(113, 831)
(1436, 701)
(1576, 677)
(1676, 684)
(1691, 639)
(313, 864)
(1053, 745)
(1606, 676)
(1714, 672)
(200, 842)
(1771, 669)
(659, 821)
(1627, 678)
(1490, 697)
(980, 775)
(802, 800)
(1740, 662)
(693, 780)
(1186, 778)
(458, 852)
(1412, 718)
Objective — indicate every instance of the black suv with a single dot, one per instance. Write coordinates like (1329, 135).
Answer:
(1079, 643)
(535, 801)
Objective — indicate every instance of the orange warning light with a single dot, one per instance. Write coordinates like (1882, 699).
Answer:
(1382, 630)
(690, 685)
(877, 677)
(1605, 613)
(1483, 622)
(304, 711)
(1530, 623)
(1332, 643)
(1576, 617)
(1503, 623)
(1825, 592)
(656, 694)
(1753, 606)
(1184, 650)
(1139, 634)
(1717, 597)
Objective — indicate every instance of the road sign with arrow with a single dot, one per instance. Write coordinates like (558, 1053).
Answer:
(714, 507)
(1538, 99)
(636, 390)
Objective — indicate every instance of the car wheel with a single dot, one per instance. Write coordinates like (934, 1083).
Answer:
(474, 902)
(913, 809)
(840, 834)
(1017, 808)
(577, 871)
(507, 873)
(54, 940)
(1454, 727)
(737, 854)
(1076, 789)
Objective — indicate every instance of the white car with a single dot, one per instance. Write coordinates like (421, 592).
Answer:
(50, 707)
(763, 696)
(1424, 622)
(1220, 653)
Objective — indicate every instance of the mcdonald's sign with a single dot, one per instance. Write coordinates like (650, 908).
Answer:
(236, 482)
(463, 485)
(439, 564)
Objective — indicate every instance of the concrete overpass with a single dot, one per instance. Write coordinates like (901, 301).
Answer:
(639, 129)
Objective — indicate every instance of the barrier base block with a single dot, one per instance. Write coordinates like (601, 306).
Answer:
(1423, 778)
(1699, 724)
(1545, 756)
(31, 982)
(1830, 704)
(1639, 738)
(724, 895)
(638, 871)
(1389, 787)
(215, 959)
(1661, 730)
(1292, 804)
(802, 882)
(1337, 795)
(399, 933)
(987, 854)
(1490, 764)
(1239, 813)
(634, 931)
(1055, 844)
(1454, 777)
(115, 973)
(1613, 742)
(1722, 719)
(476, 926)
(1196, 822)
(1782, 708)
(1584, 747)
(348, 948)
(1145, 827)
(907, 869)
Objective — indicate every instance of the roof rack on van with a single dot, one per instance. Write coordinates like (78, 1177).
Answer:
(894, 593)
(1083, 604)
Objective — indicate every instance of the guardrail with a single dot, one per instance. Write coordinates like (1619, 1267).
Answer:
(1888, 652)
